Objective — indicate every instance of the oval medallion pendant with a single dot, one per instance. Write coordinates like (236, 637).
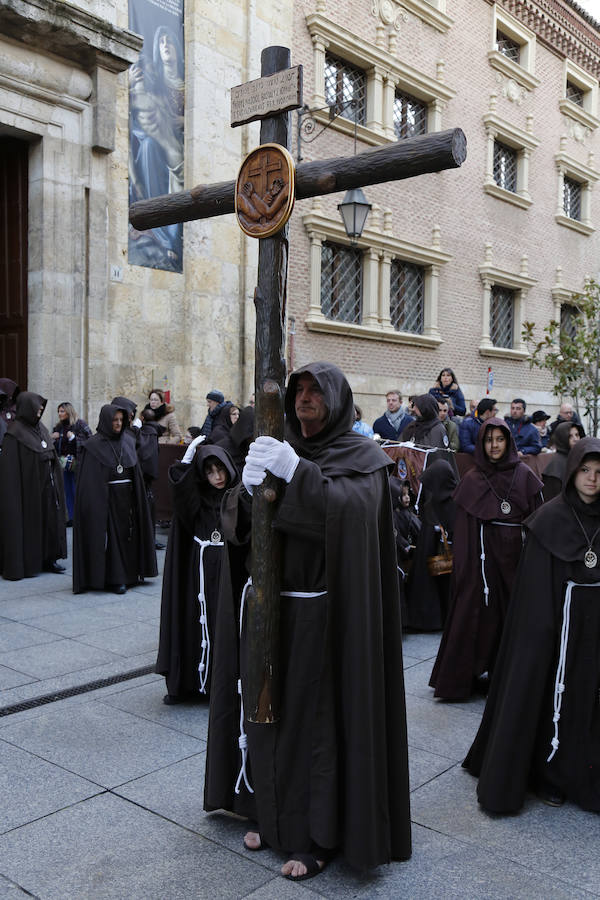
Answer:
(215, 537)
(590, 559)
(505, 507)
(120, 469)
(44, 444)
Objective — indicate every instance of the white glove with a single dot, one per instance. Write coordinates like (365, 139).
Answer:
(276, 456)
(253, 474)
(189, 453)
(137, 423)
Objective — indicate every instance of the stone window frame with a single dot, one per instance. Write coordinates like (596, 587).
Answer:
(521, 283)
(379, 248)
(385, 75)
(522, 72)
(524, 142)
(588, 114)
(587, 176)
(432, 12)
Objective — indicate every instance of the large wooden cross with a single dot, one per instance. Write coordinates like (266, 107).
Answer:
(403, 159)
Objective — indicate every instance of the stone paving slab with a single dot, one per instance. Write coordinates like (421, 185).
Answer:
(421, 646)
(106, 848)
(547, 839)
(21, 609)
(125, 640)
(101, 743)
(32, 788)
(60, 657)
(11, 891)
(10, 678)
(15, 636)
(440, 728)
(147, 701)
(75, 622)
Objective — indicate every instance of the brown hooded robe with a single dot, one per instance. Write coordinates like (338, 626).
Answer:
(333, 771)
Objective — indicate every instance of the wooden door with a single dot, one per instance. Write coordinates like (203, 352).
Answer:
(13, 259)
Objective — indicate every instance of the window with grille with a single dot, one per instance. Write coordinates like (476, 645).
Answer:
(407, 296)
(505, 167)
(508, 47)
(568, 312)
(502, 313)
(345, 89)
(572, 198)
(574, 94)
(341, 283)
(410, 116)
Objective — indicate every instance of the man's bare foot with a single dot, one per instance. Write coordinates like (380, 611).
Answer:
(295, 868)
(252, 840)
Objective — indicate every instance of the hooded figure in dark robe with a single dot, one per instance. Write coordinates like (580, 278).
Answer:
(426, 430)
(553, 475)
(191, 574)
(113, 538)
(427, 596)
(492, 501)
(332, 772)
(237, 439)
(9, 391)
(32, 508)
(541, 725)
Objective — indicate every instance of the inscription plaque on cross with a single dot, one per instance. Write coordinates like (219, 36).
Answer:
(403, 159)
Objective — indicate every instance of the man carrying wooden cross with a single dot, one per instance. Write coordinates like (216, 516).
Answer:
(323, 715)
(332, 774)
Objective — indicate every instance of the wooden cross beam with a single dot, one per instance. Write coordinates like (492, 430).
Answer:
(403, 159)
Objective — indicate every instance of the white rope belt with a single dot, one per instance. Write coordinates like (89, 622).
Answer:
(486, 590)
(205, 657)
(559, 681)
(121, 481)
(303, 593)
(243, 738)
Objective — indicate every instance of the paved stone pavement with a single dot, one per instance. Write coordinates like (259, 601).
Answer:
(102, 791)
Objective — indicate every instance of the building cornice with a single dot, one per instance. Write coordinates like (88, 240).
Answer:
(69, 33)
(559, 25)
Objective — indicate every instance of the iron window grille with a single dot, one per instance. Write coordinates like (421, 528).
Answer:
(410, 116)
(345, 89)
(341, 283)
(568, 312)
(502, 316)
(505, 167)
(572, 198)
(574, 94)
(508, 47)
(407, 296)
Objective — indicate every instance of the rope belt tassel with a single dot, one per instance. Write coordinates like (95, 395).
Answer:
(205, 643)
(243, 738)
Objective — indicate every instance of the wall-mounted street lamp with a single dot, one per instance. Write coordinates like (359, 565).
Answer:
(355, 207)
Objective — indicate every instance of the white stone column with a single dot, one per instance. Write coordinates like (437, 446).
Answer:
(523, 174)
(370, 311)
(375, 99)
(389, 93)
(489, 164)
(434, 116)
(316, 244)
(430, 317)
(319, 47)
(586, 203)
(560, 200)
(486, 342)
(385, 274)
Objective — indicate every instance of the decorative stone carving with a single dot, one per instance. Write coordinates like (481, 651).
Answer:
(389, 12)
(511, 90)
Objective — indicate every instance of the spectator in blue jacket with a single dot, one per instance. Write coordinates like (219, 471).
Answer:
(470, 425)
(359, 426)
(525, 434)
(392, 423)
(446, 387)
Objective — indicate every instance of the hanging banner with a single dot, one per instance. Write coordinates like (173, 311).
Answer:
(156, 117)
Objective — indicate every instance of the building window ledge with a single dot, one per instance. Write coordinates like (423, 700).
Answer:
(508, 196)
(347, 126)
(570, 109)
(575, 224)
(486, 349)
(316, 322)
(513, 70)
(428, 13)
